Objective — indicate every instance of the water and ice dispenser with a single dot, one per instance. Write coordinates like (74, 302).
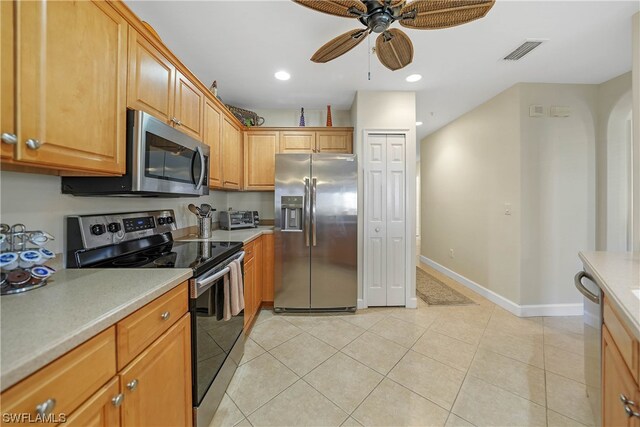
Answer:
(292, 207)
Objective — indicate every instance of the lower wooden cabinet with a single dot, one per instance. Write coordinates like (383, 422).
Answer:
(83, 387)
(157, 384)
(617, 383)
(268, 260)
(249, 291)
(101, 410)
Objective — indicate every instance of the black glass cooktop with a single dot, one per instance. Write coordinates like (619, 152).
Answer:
(199, 256)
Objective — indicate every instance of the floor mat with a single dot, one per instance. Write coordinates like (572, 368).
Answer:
(434, 292)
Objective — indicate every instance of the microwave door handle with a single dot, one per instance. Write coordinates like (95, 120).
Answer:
(202, 168)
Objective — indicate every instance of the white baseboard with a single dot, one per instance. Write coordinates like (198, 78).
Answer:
(507, 304)
(361, 304)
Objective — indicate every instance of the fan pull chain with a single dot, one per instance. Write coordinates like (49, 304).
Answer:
(369, 55)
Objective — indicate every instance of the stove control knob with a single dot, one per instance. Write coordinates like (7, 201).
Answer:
(98, 229)
(162, 220)
(170, 220)
(114, 227)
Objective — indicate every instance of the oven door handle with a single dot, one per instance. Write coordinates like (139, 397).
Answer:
(204, 285)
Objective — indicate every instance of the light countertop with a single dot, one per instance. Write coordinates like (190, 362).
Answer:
(41, 325)
(618, 273)
(244, 235)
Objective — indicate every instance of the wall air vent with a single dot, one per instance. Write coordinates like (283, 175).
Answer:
(522, 50)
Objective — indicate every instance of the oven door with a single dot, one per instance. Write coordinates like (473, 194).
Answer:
(217, 345)
(166, 160)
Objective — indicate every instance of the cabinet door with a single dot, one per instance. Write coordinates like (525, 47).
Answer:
(101, 410)
(231, 155)
(616, 381)
(268, 260)
(260, 149)
(72, 72)
(258, 275)
(157, 384)
(249, 290)
(150, 79)
(334, 142)
(188, 107)
(212, 136)
(7, 77)
(297, 141)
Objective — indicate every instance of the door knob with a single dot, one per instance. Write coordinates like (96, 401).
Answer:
(46, 407)
(9, 138)
(117, 401)
(34, 144)
(132, 385)
(377, 229)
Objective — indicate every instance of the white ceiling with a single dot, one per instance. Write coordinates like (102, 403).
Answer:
(241, 44)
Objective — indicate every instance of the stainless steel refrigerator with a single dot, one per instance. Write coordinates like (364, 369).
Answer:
(316, 229)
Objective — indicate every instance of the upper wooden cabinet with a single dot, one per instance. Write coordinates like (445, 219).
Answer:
(316, 140)
(7, 80)
(330, 141)
(150, 79)
(158, 88)
(71, 85)
(231, 155)
(260, 148)
(189, 106)
(297, 141)
(212, 137)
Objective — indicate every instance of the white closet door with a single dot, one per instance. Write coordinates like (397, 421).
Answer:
(396, 217)
(376, 219)
(385, 217)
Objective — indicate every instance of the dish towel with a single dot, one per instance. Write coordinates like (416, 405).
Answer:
(235, 303)
(225, 313)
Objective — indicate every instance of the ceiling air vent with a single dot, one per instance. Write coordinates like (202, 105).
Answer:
(523, 49)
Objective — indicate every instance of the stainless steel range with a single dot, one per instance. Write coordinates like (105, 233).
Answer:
(145, 240)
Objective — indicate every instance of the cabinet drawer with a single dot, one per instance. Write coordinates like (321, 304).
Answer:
(137, 331)
(249, 251)
(69, 380)
(625, 342)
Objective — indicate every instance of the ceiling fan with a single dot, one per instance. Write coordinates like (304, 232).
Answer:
(393, 46)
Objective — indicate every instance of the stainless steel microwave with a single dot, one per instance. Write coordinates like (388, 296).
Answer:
(161, 162)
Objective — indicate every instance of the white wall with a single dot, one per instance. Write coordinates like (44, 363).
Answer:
(35, 200)
(636, 130)
(261, 201)
(558, 190)
(387, 111)
(470, 168)
(291, 117)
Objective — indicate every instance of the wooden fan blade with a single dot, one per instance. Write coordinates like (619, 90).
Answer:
(394, 49)
(339, 46)
(435, 14)
(336, 7)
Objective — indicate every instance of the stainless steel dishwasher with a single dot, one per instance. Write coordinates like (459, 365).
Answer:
(592, 319)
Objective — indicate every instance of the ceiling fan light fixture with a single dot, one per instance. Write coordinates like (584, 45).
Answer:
(282, 75)
(413, 78)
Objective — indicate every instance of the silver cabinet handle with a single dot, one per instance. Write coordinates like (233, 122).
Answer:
(624, 399)
(165, 315)
(306, 211)
(9, 138)
(630, 412)
(584, 291)
(313, 210)
(176, 121)
(132, 385)
(117, 401)
(46, 407)
(34, 144)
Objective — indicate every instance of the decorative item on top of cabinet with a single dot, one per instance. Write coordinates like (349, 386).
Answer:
(329, 120)
(302, 124)
(231, 155)
(212, 137)
(260, 148)
(66, 120)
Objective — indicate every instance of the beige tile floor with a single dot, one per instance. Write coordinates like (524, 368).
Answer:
(455, 366)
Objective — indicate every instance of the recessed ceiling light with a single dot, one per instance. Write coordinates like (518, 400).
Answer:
(282, 75)
(413, 78)
(418, 123)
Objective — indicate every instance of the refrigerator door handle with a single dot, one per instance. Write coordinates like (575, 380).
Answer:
(313, 210)
(306, 211)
